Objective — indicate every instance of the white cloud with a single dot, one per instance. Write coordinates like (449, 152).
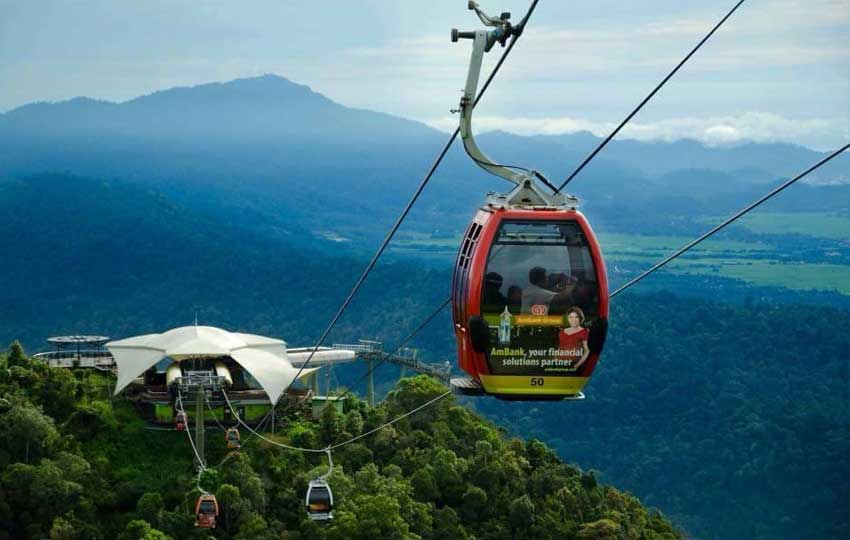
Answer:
(751, 126)
(777, 33)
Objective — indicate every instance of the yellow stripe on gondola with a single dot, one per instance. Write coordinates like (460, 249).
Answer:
(533, 385)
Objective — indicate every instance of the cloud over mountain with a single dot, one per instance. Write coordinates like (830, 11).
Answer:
(823, 133)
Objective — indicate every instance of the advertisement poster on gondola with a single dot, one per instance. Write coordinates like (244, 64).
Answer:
(537, 343)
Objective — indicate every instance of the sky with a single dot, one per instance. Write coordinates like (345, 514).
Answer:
(779, 70)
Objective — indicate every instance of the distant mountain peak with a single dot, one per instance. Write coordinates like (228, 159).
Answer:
(268, 86)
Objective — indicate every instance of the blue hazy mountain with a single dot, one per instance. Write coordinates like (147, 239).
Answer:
(263, 143)
(770, 160)
(273, 155)
(85, 255)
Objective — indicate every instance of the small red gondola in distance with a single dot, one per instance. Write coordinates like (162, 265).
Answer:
(206, 511)
(530, 290)
(180, 421)
(231, 438)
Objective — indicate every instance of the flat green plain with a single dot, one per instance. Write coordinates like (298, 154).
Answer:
(819, 225)
(757, 263)
(799, 276)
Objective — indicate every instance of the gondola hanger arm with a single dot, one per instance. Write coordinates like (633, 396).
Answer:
(482, 42)
(526, 192)
(330, 464)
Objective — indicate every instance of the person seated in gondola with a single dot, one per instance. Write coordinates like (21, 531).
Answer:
(564, 285)
(585, 296)
(514, 299)
(492, 297)
(536, 298)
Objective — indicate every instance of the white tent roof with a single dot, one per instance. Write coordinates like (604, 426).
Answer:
(263, 357)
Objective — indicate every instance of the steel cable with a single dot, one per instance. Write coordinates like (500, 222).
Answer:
(613, 134)
(730, 220)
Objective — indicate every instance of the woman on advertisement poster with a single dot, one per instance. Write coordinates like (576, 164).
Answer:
(572, 340)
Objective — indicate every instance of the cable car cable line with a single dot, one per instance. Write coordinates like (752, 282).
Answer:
(212, 412)
(344, 443)
(516, 35)
(536, 174)
(614, 133)
(393, 421)
(730, 220)
(201, 465)
(265, 418)
(261, 436)
(401, 344)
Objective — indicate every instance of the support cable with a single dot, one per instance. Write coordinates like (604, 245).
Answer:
(332, 447)
(414, 198)
(328, 449)
(242, 443)
(259, 426)
(391, 422)
(401, 345)
(201, 465)
(212, 412)
(261, 436)
(613, 134)
(737, 215)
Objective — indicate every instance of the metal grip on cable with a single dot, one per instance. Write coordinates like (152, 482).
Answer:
(457, 35)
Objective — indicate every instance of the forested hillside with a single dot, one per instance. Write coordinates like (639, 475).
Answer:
(733, 418)
(76, 465)
(120, 259)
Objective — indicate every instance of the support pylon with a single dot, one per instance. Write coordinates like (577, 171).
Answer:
(200, 428)
(370, 384)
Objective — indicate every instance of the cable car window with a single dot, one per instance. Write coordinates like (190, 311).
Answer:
(320, 498)
(207, 507)
(539, 297)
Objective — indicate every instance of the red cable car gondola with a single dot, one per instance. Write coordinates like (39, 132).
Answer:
(231, 437)
(180, 421)
(530, 291)
(206, 511)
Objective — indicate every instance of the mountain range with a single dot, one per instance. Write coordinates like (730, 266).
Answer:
(277, 157)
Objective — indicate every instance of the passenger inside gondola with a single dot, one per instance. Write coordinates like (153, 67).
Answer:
(537, 293)
(585, 296)
(492, 297)
(514, 299)
(549, 268)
